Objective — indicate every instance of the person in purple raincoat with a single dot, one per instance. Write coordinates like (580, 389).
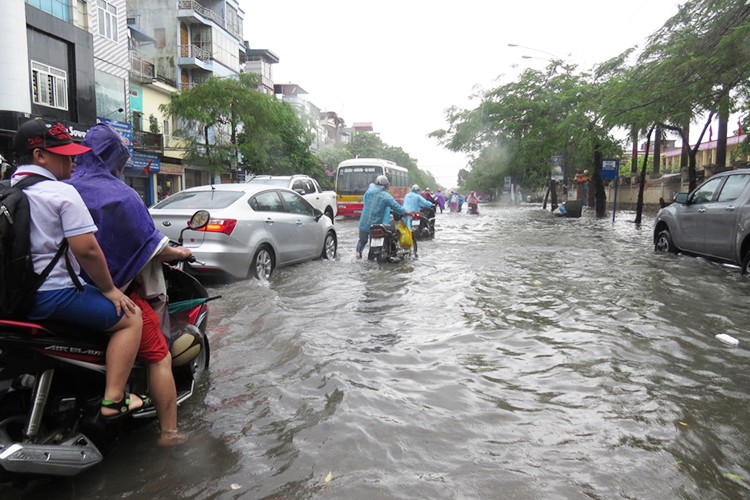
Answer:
(440, 200)
(131, 243)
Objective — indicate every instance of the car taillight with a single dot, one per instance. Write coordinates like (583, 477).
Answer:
(225, 226)
(377, 233)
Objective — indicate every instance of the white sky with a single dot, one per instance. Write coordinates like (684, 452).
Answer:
(401, 64)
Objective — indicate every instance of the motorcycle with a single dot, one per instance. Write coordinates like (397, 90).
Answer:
(423, 223)
(384, 243)
(52, 377)
(474, 208)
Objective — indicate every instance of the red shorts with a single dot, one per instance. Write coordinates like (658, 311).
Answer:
(153, 346)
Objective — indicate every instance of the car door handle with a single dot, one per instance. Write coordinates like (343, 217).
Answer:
(730, 208)
(701, 210)
(299, 222)
(269, 221)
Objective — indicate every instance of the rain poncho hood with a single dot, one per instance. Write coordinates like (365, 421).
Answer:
(126, 232)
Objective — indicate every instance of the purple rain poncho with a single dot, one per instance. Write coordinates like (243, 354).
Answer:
(126, 232)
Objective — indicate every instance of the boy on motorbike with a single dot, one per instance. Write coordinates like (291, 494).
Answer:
(376, 209)
(58, 214)
(130, 242)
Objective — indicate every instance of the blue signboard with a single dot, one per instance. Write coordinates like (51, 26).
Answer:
(123, 128)
(610, 168)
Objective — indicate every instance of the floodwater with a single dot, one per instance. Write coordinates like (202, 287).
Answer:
(522, 356)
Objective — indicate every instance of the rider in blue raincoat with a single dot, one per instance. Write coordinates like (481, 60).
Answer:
(376, 209)
(413, 201)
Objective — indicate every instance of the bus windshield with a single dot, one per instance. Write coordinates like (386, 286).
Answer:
(356, 180)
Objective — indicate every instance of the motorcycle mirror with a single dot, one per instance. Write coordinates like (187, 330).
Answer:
(199, 219)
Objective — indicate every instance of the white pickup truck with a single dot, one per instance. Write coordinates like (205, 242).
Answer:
(325, 201)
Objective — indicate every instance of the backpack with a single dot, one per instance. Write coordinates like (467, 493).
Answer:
(18, 281)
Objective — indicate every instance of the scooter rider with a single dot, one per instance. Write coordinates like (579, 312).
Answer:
(413, 201)
(376, 209)
(131, 243)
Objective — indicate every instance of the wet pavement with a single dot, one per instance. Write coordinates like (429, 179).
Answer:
(522, 356)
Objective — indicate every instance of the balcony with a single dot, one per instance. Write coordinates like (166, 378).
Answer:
(146, 141)
(192, 11)
(140, 68)
(192, 56)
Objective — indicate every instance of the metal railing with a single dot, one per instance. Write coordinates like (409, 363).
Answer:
(142, 66)
(209, 14)
(147, 141)
(196, 52)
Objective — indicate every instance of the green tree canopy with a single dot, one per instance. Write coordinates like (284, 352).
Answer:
(227, 123)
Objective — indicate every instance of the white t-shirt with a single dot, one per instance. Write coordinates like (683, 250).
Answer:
(57, 211)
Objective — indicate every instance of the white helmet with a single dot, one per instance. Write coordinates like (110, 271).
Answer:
(382, 180)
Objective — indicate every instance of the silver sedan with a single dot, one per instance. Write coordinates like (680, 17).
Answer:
(254, 228)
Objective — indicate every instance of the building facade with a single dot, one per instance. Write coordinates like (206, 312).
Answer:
(52, 53)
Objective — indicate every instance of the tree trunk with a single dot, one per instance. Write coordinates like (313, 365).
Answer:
(685, 155)
(657, 150)
(634, 155)
(642, 180)
(553, 195)
(721, 140)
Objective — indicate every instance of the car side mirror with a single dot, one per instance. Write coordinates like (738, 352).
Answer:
(681, 198)
(318, 214)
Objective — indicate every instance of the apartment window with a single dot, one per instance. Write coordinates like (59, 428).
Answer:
(49, 86)
(58, 8)
(107, 20)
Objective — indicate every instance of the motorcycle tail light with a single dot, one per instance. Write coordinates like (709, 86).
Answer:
(225, 226)
(377, 233)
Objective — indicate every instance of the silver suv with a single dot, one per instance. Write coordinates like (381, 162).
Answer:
(713, 221)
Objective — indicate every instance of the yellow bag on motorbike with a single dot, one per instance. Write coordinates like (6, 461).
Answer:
(404, 238)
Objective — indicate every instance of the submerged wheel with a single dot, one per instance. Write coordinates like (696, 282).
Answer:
(745, 269)
(329, 246)
(664, 242)
(263, 263)
(382, 256)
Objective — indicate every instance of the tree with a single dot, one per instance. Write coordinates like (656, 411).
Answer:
(226, 124)
(517, 128)
(369, 145)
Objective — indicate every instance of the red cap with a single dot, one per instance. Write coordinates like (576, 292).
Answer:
(41, 134)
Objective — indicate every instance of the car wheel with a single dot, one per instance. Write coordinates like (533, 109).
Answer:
(664, 242)
(263, 263)
(329, 246)
(745, 269)
(329, 214)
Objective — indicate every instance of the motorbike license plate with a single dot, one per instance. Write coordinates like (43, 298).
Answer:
(376, 242)
(415, 223)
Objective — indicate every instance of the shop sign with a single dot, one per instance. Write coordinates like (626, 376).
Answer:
(143, 164)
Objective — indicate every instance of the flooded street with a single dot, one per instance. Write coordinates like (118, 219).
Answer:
(522, 356)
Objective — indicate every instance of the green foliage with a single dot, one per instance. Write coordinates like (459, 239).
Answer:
(518, 127)
(698, 61)
(153, 124)
(369, 145)
(228, 124)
